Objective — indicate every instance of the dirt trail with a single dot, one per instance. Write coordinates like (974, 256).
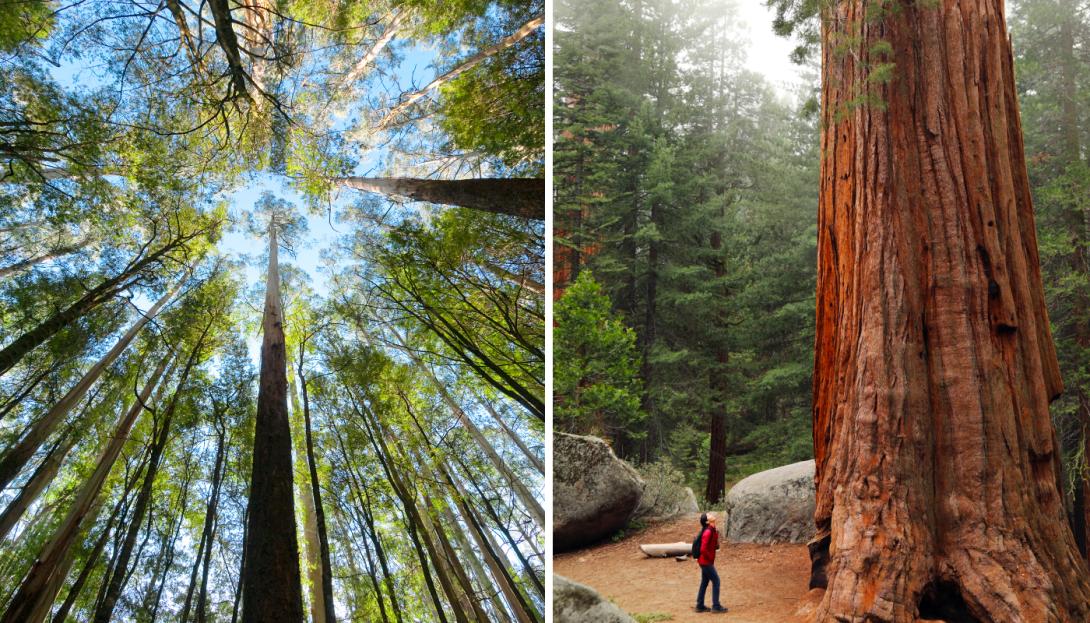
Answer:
(760, 583)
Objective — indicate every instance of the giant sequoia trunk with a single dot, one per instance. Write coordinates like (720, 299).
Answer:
(937, 464)
(271, 583)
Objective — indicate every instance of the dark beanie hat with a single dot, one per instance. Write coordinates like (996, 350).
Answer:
(703, 519)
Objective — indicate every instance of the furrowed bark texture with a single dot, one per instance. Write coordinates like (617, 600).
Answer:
(937, 463)
(523, 196)
(271, 582)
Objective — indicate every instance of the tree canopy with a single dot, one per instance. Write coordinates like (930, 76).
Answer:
(146, 153)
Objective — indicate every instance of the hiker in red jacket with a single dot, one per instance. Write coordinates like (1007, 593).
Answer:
(709, 542)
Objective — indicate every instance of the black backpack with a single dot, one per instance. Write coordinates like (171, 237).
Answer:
(696, 543)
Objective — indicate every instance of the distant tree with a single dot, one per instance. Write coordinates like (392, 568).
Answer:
(594, 378)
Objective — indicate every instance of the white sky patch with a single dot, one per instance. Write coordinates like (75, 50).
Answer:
(768, 53)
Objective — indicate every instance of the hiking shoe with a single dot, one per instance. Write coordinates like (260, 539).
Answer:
(702, 609)
(718, 609)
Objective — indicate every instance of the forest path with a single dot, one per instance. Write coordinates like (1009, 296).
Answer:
(760, 583)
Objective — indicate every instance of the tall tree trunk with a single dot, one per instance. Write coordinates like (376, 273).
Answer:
(319, 509)
(529, 502)
(88, 566)
(30, 262)
(521, 197)
(237, 602)
(271, 590)
(493, 558)
(649, 334)
(13, 461)
(310, 556)
(365, 505)
(37, 483)
(937, 464)
(32, 600)
(409, 99)
(474, 558)
(353, 75)
(416, 526)
(104, 613)
(217, 485)
(446, 561)
(204, 546)
(153, 597)
(498, 522)
(717, 443)
(534, 460)
(372, 570)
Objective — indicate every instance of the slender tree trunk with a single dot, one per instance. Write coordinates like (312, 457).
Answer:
(647, 368)
(937, 464)
(474, 558)
(717, 446)
(481, 496)
(413, 521)
(271, 590)
(104, 613)
(521, 281)
(88, 566)
(379, 45)
(17, 456)
(311, 558)
(319, 508)
(241, 568)
(32, 600)
(450, 558)
(30, 262)
(37, 483)
(521, 197)
(346, 516)
(528, 500)
(515, 601)
(498, 522)
(16, 350)
(155, 588)
(365, 505)
(204, 546)
(538, 464)
(409, 99)
(217, 485)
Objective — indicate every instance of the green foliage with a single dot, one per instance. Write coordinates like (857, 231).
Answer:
(1054, 90)
(697, 216)
(23, 22)
(126, 132)
(596, 391)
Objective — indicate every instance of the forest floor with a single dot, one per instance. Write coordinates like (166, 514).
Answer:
(760, 583)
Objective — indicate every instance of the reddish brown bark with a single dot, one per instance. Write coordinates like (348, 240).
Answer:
(937, 464)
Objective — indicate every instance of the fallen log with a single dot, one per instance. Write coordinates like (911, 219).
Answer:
(665, 550)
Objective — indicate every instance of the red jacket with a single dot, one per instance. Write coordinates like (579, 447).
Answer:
(709, 542)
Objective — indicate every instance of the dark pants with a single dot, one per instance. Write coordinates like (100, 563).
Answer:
(708, 574)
